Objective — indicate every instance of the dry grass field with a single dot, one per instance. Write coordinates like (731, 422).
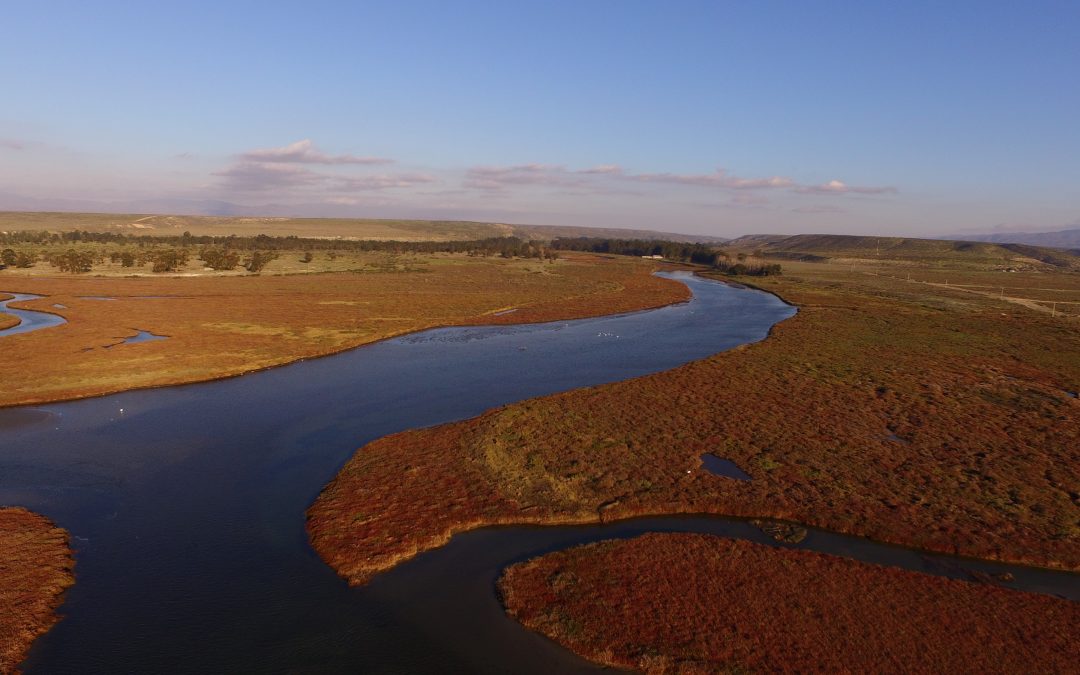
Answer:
(35, 568)
(910, 413)
(345, 228)
(223, 326)
(688, 603)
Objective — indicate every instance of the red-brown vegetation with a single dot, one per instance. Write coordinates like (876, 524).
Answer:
(35, 568)
(688, 603)
(907, 413)
(225, 326)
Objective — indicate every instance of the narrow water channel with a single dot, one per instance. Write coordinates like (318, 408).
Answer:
(29, 320)
(186, 504)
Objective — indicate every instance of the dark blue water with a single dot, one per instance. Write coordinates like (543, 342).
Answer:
(723, 467)
(186, 504)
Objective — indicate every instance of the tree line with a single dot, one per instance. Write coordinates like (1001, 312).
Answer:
(699, 254)
(78, 251)
(506, 246)
(170, 253)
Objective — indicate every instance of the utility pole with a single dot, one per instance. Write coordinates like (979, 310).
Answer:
(1002, 292)
(1053, 309)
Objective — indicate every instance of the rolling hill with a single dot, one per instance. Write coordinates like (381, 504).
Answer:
(345, 228)
(838, 247)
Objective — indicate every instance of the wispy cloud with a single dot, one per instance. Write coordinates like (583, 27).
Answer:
(719, 179)
(598, 178)
(748, 200)
(496, 178)
(292, 168)
(604, 169)
(12, 144)
(305, 152)
(260, 177)
(819, 208)
(383, 182)
(840, 187)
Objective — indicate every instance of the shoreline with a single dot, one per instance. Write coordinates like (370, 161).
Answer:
(487, 319)
(36, 569)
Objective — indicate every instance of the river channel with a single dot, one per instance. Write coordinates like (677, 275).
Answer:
(186, 504)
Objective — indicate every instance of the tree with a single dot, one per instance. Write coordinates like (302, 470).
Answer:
(77, 262)
(168, 260)
(307, 257)
(259, 260)
(24, 259)
(219, 259)
(7, 256)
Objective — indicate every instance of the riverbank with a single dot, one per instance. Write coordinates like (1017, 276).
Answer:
(666, 603)
(223, 327)
(35, 569)
(919, 416)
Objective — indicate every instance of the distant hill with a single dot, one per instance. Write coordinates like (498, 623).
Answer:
(348, 228)
(1069, 239)
(554, 231)
(849, 247)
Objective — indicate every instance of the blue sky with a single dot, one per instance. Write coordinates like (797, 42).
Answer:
(708, 117)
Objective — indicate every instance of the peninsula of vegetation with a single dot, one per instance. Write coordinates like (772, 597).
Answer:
(35, 569)
(689, 603)
(906, 402)
(230, 305)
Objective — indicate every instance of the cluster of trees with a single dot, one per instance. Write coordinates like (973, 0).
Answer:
(747, 269)
(259, 259)
(672, 250)
(73, 261)
(505, 246)
(168, 259)
(701, 254)
(217, 258)
(171, 252)
(12, 258)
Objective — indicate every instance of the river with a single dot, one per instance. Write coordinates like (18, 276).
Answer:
(186, 504)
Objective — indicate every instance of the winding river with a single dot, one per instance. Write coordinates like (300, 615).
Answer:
(186, 504)
(29, 320)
